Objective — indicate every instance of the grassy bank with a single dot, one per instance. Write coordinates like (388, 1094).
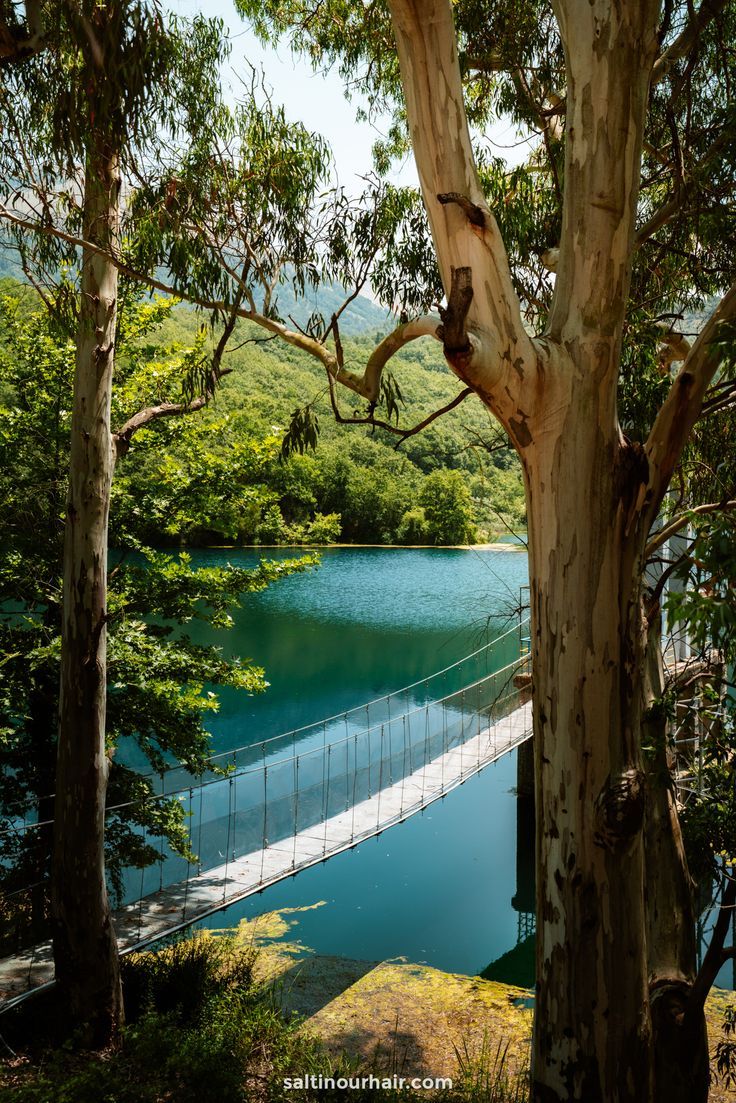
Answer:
(204, 1026)
(236, 1017)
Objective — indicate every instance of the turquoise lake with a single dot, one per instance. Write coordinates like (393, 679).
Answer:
(366, 622)
(439, 887)
(452, 887)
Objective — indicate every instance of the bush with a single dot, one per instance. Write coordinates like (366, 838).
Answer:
(183, 976)
(448, 508)
(324, 528)
(200, 1030)
(413, 528)
(271, 529)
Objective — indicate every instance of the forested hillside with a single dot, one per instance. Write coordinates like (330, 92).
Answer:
(220, 476)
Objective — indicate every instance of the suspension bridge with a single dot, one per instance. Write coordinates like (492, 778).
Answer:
(265, 811)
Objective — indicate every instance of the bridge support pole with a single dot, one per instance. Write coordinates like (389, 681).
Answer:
(525, 769)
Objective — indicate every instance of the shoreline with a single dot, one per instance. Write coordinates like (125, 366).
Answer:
(386, 547)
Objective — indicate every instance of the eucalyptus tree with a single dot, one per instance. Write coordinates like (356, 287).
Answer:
(79, 110)
(160, 682)
(630, 207)
(121, 109)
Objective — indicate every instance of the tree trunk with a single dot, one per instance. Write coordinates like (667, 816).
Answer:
(591, 499)
(85, 948)
(592, 1039)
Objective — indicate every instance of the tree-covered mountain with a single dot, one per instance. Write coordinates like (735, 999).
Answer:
(218, 476)
(362, 316)
(193, 480)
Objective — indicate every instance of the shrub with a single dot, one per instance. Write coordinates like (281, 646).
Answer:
(448, 508)
(184, 975)
(272, 528)
(324, 528)
(200, 1030)
(413, 528)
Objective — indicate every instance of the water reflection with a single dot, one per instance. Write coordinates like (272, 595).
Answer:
(437, 889)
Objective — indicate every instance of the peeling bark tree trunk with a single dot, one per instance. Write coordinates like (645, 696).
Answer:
(591, 498)
(85, 949)
(592, 1032)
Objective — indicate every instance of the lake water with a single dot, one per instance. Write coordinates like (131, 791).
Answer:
(366, 622)
(453, 886)
(439, 887)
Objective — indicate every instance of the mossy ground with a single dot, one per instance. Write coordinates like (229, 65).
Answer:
(409, 1018)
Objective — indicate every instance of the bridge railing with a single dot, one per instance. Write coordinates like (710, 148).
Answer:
(490, 657)
(269, 800)
(276, 789)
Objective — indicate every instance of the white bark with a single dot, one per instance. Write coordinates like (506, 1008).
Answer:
(427, 49)
(683, 404)
(587, 494)
(609, 49)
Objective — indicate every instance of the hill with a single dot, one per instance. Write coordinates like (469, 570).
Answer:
(360, 317)
(384, 491)
(218, 476)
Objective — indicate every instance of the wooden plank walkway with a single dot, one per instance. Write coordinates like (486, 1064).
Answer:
(179, 905)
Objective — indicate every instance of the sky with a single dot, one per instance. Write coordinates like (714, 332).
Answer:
(317, 99)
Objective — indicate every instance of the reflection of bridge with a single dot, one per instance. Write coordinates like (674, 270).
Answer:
(298, 799)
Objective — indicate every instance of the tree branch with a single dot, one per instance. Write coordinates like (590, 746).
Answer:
(464, 230)
(713, 959)
(453, 332)
(602, 166)
(405, 433)
(298, 340)
(684, 42)
(654, 596)
(669, 210)
(675, 206)
(122, 438)
(378, 423)
(472, 211)
(368, 385)
(681, 408)
(148, 414)
(678, 523)
(718, 402)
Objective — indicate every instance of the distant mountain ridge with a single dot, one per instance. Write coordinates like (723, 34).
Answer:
(361, 317)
